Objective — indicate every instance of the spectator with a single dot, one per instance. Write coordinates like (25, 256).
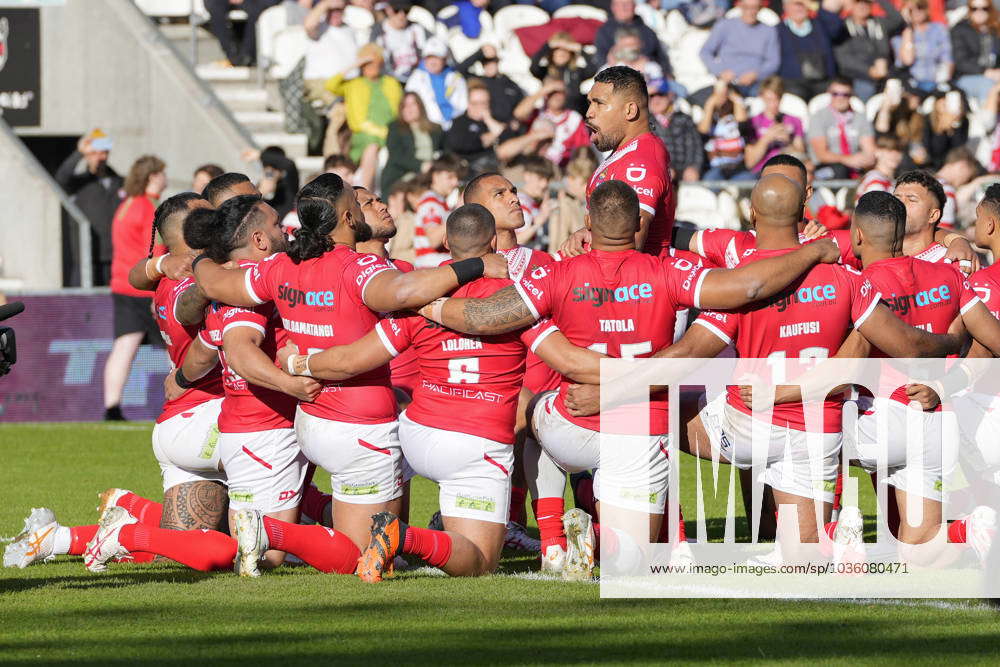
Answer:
(546, 110)
(95, 187)
(806, 42)
(342, 166)
(413, 142)
(468, 17)
(571, 204)
(204, 174)
(947, 126)
(772, 131)
(331, 49)
(441, 88)
(484, 141)
(923, 50)
(991, 120)
(536, 203)
(960, 168)
(371, 101)
(899, 116)
(627, 52)
(132, 239)
(400, 39)
(243, 54)
(432, 212)
(623, 16)
(563, 58)
(504, 93)
(841, 141)
(888, 157)
(402, 211)
(724, 125)
(280, 181)
(678, 132)
(975, 44)
(741, 50)
(863, 52)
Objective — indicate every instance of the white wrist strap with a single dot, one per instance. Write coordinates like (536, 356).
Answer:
(291, 363)
(159, 264)
(307, 372)
(292, 359)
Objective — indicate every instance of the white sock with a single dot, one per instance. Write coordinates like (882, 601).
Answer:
(61, 541)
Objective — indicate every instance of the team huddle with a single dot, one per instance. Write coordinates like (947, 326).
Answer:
(483, 374)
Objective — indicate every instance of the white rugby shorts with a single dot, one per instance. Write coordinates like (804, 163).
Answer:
(266, 469)
(186, 445)
(635, 478)
(473, 473)
(364, 460)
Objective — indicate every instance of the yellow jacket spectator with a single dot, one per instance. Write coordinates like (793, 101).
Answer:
(372, 100)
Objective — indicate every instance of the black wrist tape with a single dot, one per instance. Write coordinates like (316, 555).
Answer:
(182, 381)
(468, 270)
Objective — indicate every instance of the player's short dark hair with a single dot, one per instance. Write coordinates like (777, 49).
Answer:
(928, 181)
(786, 160)
(218, 232)
(220, 184)
(469, 227)
(625, 80)
(614, 209)
(991, 198)
(336, 161)
(882, 216)
(472, 187)
(167, 215)
(213, 170)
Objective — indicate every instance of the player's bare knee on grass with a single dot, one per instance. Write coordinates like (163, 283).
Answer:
(475, 546)
(195, 506)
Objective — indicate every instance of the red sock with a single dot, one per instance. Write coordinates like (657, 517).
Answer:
(585, 499)
(204, 550)
(145, 510)
(956, 532)
(314, 503)
(518, 513)
(548, 514)
(838, 491)
(323, 548)
(664, 535)
(433, 546)
(830, 528)
(78, 538)
(140, 557)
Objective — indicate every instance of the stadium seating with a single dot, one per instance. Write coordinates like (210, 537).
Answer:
(421, 16)
(823, 100)
(510, 18)
(361, 20)
(764, 15)
(580, 11)
(793, 105)
(165, 8)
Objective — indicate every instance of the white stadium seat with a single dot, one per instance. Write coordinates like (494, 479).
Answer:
(271, 21)
(956, 15)
(421, 16)
(511, 17)
(764, 15)
(823, 100)
(700, 206)
(689, 70)
(165, 8)
(793, 105)
(581, 11)
(361, 20)
(289, 47)
(872, 106)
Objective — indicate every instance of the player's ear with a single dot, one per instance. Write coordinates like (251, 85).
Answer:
(586, 221)
(445, 244)
(935, 216)
(632, 111)
(493, 243)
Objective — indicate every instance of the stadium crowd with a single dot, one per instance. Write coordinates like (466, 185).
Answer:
(454, 330)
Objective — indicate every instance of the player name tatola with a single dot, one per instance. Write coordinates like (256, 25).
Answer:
(615, 326)
(461, 344)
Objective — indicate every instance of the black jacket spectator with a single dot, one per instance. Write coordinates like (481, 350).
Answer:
(973, 51)
(402, 153)
(275, 160)
(504, 93)
(940, 136)
(807, 63)
(97, 196)
(465, 139)
(859, 46)
(651, 48)
(683, 142)
(572, 75)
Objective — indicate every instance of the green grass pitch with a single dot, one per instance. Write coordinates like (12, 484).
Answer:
(58, 613)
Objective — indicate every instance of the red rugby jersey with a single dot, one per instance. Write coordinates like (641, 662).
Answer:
(404, 371)
(644, 164)
(808, 320)
(178, 338)
(469, 384)
(986, 283)
(727, 247)
(623, 304)
(321, 304)
(249, 408)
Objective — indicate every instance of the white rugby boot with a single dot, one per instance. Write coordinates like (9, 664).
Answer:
(108, 498)
(579, 529)
(849, 536)
(105, 545)
(36, 542)
(980, 527)
(554, 559)
(252, 542)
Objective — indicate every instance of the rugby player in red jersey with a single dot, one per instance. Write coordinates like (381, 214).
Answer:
(808, 321)
(925, 199)
(328, 294)
(459, 429)
(623, 303)
(618, 118)
(184, 435)
(499, 196)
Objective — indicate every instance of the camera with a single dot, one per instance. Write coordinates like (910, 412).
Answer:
(8, 344)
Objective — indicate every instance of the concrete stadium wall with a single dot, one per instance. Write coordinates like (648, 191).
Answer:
(30, 239)
(105, 64)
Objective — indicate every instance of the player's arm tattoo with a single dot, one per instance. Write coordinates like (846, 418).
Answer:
(190, 306)
(502, 312)
(195, 505)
